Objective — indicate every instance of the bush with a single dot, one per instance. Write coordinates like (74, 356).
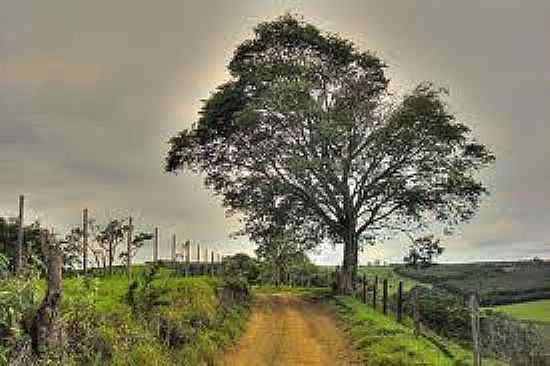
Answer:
(501, 336)
(243, 267)
(142, 296)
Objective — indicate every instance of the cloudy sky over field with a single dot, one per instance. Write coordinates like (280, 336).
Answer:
(91, 91)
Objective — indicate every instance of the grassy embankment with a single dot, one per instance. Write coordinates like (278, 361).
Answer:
(383, 341)
(176, 321)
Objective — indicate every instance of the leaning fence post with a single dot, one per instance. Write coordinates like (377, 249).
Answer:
(174, 251)
(156, 246)
(187, 257)
(416, 312)
(212, 264)
(85, 241)
(385, 297)
(474, 315)
(129, 245)
(365, 288)
(374, 290)
(19, 255)
(400, 302)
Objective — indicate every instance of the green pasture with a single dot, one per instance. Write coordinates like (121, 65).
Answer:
(538, 311)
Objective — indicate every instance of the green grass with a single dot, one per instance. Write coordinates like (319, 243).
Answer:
(298, 291)
(382, 341)
(538, 311)
(387, 272)
(189, 310)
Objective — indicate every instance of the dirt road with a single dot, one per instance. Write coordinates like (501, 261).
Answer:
(285, 330)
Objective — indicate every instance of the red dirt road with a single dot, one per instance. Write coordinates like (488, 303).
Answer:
(285, 330)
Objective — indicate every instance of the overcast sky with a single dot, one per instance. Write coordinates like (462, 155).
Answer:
(90, 92)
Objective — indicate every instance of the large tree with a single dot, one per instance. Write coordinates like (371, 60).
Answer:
(307, 122)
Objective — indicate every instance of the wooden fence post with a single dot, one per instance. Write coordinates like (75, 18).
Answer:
(374, 291)
(129, 245)
(85, 241)
(19, 253)
(385, 297)
(212, 264)
(365, 287)
(416, 312)
(475, 325)
(156, 246)
(187, 257)
(174, 251)
(400, 302)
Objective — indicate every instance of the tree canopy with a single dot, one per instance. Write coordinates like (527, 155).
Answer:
(423, 251)
(307, 137)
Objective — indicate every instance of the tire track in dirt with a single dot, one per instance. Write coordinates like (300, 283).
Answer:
(285, 330)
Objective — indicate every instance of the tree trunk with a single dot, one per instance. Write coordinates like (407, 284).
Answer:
(349, 268)
(44, 332)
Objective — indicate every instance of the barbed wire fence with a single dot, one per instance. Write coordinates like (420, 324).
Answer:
(180, 259)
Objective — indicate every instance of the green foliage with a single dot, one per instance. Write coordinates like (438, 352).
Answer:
(241, 267)
(444, 312)
(31, 239)
(4, 265)
(17, 295)
(168, 321)
(423, 250)
(109, 237)
(138, 241)
(142, 296)
(280, 256)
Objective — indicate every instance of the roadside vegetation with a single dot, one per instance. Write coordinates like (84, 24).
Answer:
(384, 342)
(443, 310)
(158, 318)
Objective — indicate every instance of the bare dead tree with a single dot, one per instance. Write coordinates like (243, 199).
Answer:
(44, 330)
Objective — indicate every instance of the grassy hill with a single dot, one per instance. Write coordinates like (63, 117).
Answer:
(497, 282)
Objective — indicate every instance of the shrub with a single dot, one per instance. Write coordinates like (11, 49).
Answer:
(501, 336)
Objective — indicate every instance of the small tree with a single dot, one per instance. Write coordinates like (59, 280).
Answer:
(423, 251)
(72, 248)
(137, 242)
(110, 237)
(279, 255)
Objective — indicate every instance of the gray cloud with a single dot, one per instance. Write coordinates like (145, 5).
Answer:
(90, 93)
